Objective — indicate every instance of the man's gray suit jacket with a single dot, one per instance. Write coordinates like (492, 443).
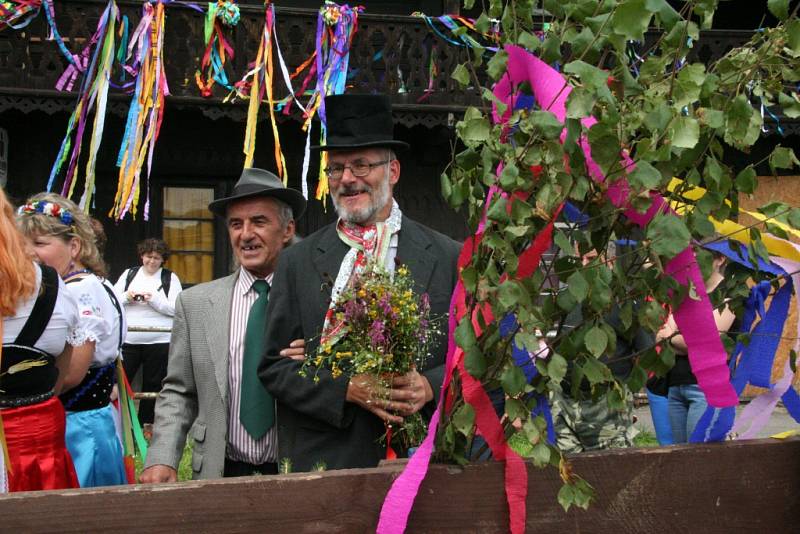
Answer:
(195, 391)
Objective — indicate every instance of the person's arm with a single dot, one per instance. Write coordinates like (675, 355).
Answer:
(323, 399)
(78, 365)
(176, 406)
(63, 361)
(165, 304)
(119, 288)
(723, 318)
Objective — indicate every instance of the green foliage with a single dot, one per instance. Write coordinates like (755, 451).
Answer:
(669, 116)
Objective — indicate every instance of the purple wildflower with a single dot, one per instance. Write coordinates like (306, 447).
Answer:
(377, 334)
(385, 305)
(424, 304)
(353, 310)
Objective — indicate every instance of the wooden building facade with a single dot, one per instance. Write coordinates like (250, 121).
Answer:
(199, 153)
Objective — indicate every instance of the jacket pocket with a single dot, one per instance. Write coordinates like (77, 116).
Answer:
(198, 432)
(197, 461)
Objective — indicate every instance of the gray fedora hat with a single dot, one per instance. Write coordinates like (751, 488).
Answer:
(260, 183)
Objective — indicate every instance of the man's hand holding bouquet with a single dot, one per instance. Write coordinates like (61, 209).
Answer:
(378, 333)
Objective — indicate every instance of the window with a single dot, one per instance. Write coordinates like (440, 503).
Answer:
(189, 232)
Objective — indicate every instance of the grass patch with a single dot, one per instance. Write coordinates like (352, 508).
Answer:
(645, 438)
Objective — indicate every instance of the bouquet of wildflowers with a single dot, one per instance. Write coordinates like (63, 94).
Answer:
(378, 326)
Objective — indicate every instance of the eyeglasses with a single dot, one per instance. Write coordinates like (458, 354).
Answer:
(359, 169)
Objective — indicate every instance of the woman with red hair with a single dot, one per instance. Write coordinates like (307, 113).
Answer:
(39, 318)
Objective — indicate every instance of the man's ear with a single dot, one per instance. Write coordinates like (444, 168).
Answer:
(288, 233)
(394, 171)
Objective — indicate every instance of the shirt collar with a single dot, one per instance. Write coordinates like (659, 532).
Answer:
(246, 279)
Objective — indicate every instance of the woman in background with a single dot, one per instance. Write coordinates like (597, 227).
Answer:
(148, 293)
(686, 401)
(39, 318)
(69, 247)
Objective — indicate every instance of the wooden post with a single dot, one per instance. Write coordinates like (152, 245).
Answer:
(452, 7)
(737, 486)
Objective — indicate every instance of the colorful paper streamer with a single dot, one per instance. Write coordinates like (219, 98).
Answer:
(262, 78)
(93, 96)
(218, 49)
(146, 112)
(18, 14)
(336, 27)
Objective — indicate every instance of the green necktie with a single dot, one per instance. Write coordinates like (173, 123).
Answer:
(256, 409)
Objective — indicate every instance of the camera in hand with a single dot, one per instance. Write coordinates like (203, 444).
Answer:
(138, 298)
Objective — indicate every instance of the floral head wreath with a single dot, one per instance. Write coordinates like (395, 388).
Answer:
(47, 208)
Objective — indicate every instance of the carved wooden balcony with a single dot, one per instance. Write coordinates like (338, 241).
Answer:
(390, 54)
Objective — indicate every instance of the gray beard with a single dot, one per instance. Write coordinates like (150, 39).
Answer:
(379, 198)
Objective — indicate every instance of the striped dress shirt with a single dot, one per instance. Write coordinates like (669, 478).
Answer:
(241, 446)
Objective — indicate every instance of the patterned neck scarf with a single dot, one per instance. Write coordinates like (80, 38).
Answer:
(367, 244)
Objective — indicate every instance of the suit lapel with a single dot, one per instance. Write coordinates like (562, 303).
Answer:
(218, 320)
(328, 255)
(413, 250)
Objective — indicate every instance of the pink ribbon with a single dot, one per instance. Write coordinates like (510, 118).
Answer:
(694, 318)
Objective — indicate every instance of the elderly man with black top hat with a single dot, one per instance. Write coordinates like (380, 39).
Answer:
(211, 391)
(338, 421)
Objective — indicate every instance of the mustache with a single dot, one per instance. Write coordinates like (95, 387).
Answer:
(353, 188)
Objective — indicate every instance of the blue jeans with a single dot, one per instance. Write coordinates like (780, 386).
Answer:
(660, 414)
(686, 405)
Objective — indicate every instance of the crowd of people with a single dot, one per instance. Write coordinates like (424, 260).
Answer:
(225, 356)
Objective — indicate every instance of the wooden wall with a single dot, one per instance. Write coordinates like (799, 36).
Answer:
(731, 487)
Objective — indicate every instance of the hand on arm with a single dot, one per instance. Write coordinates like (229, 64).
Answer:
(296, 350)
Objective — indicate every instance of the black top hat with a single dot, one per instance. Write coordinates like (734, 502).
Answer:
(359, 121)
(260, 183)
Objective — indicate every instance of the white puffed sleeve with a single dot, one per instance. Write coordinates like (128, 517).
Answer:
(92, 325)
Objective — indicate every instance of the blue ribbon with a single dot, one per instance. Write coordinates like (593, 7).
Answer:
(574, 215)
(755, 364)
(522, 359)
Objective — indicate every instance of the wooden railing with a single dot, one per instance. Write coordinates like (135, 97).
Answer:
(731, 487)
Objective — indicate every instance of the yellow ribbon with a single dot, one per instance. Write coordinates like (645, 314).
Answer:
(280, 162)
(733, 230)
(252, 113)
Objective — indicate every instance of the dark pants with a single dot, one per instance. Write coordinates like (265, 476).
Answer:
(235, 468)
(153, 361)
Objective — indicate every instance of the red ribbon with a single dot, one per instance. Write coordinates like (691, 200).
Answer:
(390, 454)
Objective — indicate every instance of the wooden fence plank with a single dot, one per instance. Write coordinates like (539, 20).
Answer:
(738, 486)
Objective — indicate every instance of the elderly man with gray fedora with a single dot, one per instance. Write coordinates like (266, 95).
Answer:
(338, 422)
(211, 391)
